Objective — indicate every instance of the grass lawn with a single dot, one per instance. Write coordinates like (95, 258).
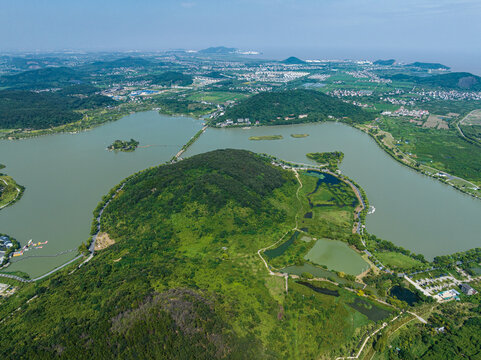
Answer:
(396, 260)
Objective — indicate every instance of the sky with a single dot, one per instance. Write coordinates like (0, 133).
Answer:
(308, 28)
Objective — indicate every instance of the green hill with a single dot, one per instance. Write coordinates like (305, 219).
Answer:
(294, 106)
(384, 62)
(293, 61)
(455, 80)
(183, 279)
(429, 66)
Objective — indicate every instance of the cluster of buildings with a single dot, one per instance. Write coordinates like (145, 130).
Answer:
(5, 244)
(364, 74)
(350, 93)
(273, 76)
(405, 112)
(238, 122)
(448, 95)
(394, 101)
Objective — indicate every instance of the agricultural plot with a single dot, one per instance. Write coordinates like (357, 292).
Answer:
(473, 118)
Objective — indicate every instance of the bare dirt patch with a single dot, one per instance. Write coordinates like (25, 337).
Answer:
(103, 241)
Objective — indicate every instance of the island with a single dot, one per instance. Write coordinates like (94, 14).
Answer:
(330, 159)
(121, 145)
(298, 136)
(266, 137)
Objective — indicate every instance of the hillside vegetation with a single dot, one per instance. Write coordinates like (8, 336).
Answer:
(455, 80)
(295, 106)
(183, 279)
(27, 109)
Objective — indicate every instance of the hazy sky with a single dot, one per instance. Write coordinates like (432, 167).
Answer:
(349, 26)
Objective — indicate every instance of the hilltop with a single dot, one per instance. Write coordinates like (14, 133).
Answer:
(294, 106)
(429, 66)
(384, 62)
(293, 61)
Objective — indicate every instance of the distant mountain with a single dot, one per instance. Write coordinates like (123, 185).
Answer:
(384, 62)
(455, 80)
(219, 50)
(293, 61)
(429, 66)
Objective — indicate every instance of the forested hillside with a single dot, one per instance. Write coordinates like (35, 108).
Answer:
(295, 106)
(27, 109)
(183, 279)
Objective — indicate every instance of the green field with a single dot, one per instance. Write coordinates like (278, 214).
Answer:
(397, 261)
(216, 97)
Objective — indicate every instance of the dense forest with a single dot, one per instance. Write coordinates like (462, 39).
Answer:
(183, 279)
(295, 106)
(40, 110)
(170, 78)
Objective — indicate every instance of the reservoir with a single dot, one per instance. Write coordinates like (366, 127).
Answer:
(412, 210)
(66, 175)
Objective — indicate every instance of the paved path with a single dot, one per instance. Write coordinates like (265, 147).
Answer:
(418, 317)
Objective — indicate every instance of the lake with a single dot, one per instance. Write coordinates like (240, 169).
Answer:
(412, 210)
(66, 175)
(338, 256)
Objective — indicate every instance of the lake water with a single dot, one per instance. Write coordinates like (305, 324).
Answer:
(66, 175)
(336, 255)
(412, 210)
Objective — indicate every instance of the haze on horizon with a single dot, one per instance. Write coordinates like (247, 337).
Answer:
(447, 29)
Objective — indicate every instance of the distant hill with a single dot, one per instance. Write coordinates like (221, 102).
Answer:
(129, 62)
(218, 50)
(294, 106)
(293, 61)
(42, 78)
(170, 78)
(455, 80)
(385, 62)
(429, 66)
